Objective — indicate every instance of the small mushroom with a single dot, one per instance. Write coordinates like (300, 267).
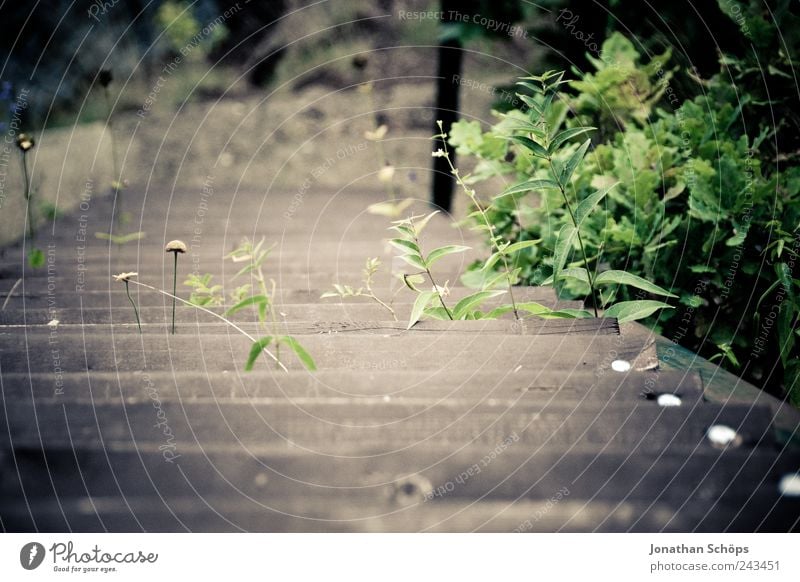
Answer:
(176, 247)
(25, 142)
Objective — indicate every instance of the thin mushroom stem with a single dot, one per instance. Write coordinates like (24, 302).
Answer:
(217, 315)
(27, 193)
(174, 288)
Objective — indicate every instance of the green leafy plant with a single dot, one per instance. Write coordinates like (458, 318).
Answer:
(254, 255)
(262, 344)
(371, 267)
(551, 146)
(698, 208)
(203, 292)
(504, 251)
(408, 233)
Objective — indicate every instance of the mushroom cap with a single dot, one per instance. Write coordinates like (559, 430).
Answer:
(25, 142)
(175, 246)
(125, 276)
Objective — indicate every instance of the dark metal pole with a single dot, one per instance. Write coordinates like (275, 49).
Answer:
(450, 57)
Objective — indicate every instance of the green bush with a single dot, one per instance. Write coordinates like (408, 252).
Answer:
(700, 207)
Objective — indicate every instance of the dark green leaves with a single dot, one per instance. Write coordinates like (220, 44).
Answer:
(255, 350)
(626, 311)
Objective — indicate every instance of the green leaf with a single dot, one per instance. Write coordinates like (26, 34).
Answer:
(258, 346)
(528, 186)
(422, 301)
(520, 245)
(527, 142)
(471, 302)
(625, 278)
(36, 258)
(249, 301)
(564, 242)
(415, 261)
(568, 134)
(437, 254)
(578, 273)
(626, 311)
(412, 281)
(300, 352)
(120, 239)
(569, 313)
(405, 245)
(419, 226)
(587, 204)
(437, 313)
(573, 162)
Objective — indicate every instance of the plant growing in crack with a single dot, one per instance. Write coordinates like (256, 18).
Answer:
(552, 146)
(261, 297)
(203, 292)
(504, 251)
(371, 267)
(127, 278)
(430, 303)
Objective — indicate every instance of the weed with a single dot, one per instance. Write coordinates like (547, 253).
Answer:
(254, 256)
(344, 291)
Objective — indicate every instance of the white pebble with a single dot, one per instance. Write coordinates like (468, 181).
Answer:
(790, 485)
(620, 365)
(669, 400)
(722, 436)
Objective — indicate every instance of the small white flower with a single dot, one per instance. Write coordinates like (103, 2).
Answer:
(439, 153)
(125, 276)
(53, 323)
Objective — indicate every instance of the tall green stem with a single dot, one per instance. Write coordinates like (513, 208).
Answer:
(492, 237)
(578, 231)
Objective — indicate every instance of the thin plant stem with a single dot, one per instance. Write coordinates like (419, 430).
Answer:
(430, 276)
(133, 303)
(439, 294)
(578, 231)
(174, 288)
(27, 193)
(217, 315)
(471, 193)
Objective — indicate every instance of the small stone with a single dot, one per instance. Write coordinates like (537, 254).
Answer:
(722, 436)
(669, 400)
(620, 365)
(789, 485)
